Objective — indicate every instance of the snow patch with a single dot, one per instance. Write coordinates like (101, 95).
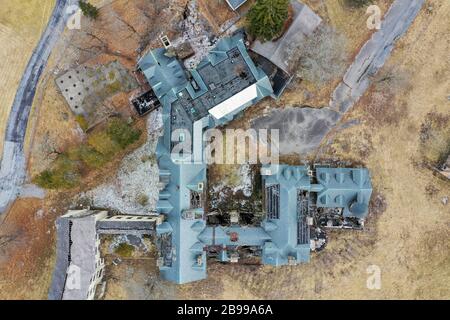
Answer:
(136, 179)
(196, 33)
(246, 185)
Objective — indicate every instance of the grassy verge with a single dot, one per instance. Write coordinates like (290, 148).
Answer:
(99, 148)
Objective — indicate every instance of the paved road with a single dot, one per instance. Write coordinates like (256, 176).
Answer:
(374, 53)
(303, 129)
(13, 165)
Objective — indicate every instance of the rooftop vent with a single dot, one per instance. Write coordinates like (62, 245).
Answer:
(165, 41)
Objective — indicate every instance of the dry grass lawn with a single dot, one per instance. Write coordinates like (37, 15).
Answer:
(21, 25)
(351, 23)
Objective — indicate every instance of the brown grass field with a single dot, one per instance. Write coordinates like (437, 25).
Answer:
(21, 25)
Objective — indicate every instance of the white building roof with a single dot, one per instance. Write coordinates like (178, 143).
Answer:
(235, 102)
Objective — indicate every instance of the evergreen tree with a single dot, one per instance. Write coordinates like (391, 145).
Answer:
(357, 3)
(88, 9)
(267, 17)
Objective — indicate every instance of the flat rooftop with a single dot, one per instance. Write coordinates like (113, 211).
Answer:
(213, 84)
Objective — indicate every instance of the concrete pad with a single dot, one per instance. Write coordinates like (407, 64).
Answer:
(301, 129)
(32, 191)
(305, 21)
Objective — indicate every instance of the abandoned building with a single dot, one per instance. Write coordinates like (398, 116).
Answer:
(85, 88)
(292, 201)
(224, 84)
(298, 200)
(79, 267)
(146, 103)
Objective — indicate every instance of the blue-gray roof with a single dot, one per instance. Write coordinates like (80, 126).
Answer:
(246, 236)
(187, 97)
(283, 231)
(174, 200)
(234, 4)
(345, 188)
(165, 74)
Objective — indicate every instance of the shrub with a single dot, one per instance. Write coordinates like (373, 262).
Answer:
(117, 136)
(113, 87)
(112, 75)
(65, 174)
(357, 3)
(45, 179)
(267, 17)
(88, 9)
(142, 199)
(103, 143)
(92, 158)
(122, 133)
(124, 250)
(89, 156)
(82, 122)
(149, 157)
(100, 148)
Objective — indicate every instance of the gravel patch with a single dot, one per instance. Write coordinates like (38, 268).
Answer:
(134, 189)
(246, 184)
